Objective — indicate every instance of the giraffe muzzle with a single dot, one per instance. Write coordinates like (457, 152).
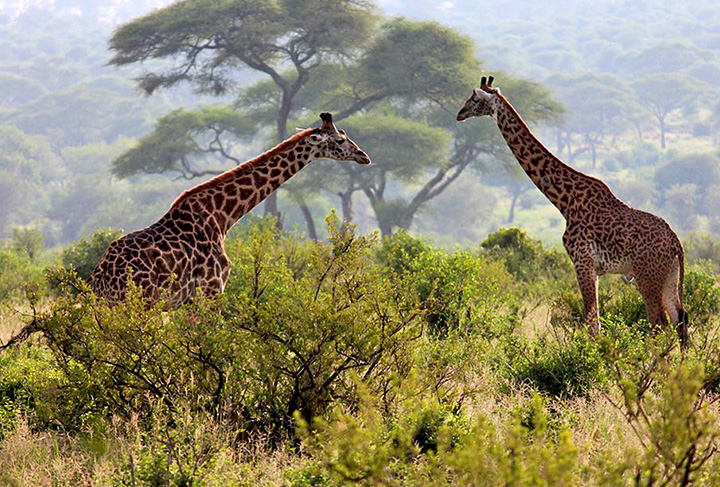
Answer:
(363, 159)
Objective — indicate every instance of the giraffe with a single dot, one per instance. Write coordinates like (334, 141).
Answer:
(184, 250)
(602, 234)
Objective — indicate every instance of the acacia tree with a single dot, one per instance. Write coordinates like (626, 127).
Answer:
(403, 151)
(400, 97)
(208, 41)
(662, 94)
(596, 107)
(407, 70)
(182, 141)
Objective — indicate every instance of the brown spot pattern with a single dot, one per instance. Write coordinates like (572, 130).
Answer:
(603, 234)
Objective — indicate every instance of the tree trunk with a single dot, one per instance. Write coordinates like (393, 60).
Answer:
(639, 132)
(346, 199)
(386, 228)
(569, 149)
(271, 207)
(511, 215)
(376, 203)
(309, 221)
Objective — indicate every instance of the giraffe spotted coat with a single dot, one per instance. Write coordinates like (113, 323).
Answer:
(603, 234)
(184, 250)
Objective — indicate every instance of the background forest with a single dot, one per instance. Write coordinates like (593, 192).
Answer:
(414, 322)
(624, 90)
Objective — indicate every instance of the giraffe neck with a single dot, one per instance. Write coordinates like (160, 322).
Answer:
(219, 203)
(560, 183)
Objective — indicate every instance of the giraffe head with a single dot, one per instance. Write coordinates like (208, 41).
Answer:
(332, 143)
(481, 103)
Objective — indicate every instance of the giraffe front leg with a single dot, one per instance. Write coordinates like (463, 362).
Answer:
(587, 281)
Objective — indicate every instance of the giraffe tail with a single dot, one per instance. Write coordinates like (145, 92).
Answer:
(683, 317)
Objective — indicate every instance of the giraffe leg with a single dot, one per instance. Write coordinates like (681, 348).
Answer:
(587, 281)
(652, 294)
(672, 305)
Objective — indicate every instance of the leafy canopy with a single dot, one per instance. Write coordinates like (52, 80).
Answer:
(181, 135)
(213, 38)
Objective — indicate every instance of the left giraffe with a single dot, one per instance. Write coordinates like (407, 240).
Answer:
(188, 241)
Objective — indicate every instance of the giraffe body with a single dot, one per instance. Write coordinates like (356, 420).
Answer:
(603, 234)
(184, 250)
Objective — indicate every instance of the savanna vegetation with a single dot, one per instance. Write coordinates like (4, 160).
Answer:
(356, 361)
(429, 331)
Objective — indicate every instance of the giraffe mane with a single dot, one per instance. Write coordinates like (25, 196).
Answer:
(245, 167)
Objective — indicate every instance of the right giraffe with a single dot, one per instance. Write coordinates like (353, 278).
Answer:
(602, 234)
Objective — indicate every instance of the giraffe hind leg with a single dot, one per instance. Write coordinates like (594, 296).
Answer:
(673, 307)
(652, 295)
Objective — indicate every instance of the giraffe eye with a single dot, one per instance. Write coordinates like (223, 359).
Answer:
(339, 140)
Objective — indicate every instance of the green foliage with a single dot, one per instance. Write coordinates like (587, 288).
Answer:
(394, 362)
(402, 149)
(247, 31)
(569, 368)
(181, 136)
(28, 241)
(397, 253)
(406, 47)
(299, 320)
(528, 453)
(652, 90)
(664, 401)
(34, 388)
(700, 170)
(17, 273)
(616, 297)
(701, 248)
(353, 319)
(358, 449)
(18, 90)
(526, 258)
(84, 255)
(82, 115)
(701, 296)
(459, 291)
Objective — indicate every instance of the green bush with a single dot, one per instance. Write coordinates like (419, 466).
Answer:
(621, 300)
(701, 295)
(459, 290)
(18, 273)
(526, 258)
(616, 298)
(28, 241)
(84, 254)
(33, 387)
(400, 364)
(566, 369)
(286, 336)
(398, 252)
(20, 268)
(361, 450)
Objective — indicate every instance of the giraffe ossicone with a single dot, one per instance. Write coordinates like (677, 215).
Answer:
(184, 250)
(603, 234)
